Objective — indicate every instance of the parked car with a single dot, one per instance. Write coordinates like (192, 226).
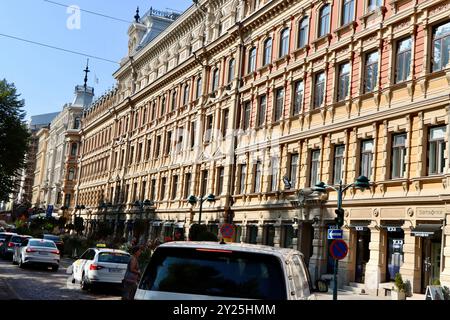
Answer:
(5, 237)
(15, 241)
(99, 266)
(34, 251)
(57, 240)
(209, 270)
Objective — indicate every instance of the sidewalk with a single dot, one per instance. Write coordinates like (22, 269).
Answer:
(347, 295)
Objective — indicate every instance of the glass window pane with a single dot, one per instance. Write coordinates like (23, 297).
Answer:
(437, 133)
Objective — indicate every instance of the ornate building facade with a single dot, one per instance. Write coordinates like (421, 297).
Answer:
(58, 149)
(253, 101)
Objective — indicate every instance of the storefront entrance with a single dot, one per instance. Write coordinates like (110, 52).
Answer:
(430, 238)
(362, 253)
(394, 256)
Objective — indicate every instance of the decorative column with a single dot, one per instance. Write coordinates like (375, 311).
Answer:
(445, 262)
(346, 272)
(375, 272)
(412, 255)
(259, 237)
(277, 238)
(318, 260)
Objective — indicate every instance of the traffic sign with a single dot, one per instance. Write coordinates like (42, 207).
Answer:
(49, 211)
(335, 234)
(338, 249)
(227, 230)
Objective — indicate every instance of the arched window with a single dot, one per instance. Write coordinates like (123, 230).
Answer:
(74, 149)
(174, 100)
(136, 120)
(324, 20)
(347, 11)
(199, 87)
(76, 123)
(284, 42)
(71, 174)
(231, 70)
(163, 106)
(303, 32)
(215, 79)
(267, 51)
(186, 94)
(252, 60)
(144, 116)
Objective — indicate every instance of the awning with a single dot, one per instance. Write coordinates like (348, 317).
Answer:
(425, 230)
(168, 224)
(179, 225)
(156, 223)
(392, 226)
(359, 225)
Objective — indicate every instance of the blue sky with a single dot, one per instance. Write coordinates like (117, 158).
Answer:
(45, 77)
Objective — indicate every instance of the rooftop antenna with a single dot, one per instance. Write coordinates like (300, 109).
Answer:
(137, 17)
(86, 71)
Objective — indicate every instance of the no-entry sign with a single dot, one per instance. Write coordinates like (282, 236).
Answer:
(338, 249)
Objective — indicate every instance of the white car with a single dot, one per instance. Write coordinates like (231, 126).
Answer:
(37, 251)
(209, 270)
(99, 265)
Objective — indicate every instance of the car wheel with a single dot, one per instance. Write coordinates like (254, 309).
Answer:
(55, 268)
(21, 265)
(84, 283)
(14, 261)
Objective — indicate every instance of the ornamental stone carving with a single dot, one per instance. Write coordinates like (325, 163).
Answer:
(410, 212)
(376, 212)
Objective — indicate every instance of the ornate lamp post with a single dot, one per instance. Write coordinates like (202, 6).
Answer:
(361, 183)
(104, 206)
(193, 200)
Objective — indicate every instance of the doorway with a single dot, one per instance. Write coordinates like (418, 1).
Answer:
(362, 254)
(394, 257)
(431, 260)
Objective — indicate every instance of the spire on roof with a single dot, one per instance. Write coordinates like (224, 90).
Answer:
(137, 18)
(86, 74)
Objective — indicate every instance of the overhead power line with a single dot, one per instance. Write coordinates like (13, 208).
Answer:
(57, 48)
(91, 12)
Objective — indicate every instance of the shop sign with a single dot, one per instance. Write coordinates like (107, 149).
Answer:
(359, 228)
(397, 242)
(422, 234)
(392, 229)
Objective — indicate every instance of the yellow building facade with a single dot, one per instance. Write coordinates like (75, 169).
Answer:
(256, 101)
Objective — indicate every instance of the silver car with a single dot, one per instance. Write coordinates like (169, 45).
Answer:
(37, 251)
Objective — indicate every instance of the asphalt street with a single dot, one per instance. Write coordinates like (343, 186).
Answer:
(34, 283)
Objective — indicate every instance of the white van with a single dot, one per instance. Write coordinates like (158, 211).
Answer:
(213, 271)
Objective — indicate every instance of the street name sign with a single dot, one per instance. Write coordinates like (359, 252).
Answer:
(338, 249)
(335, 234)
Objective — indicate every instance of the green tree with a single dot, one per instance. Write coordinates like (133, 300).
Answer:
(14, 137)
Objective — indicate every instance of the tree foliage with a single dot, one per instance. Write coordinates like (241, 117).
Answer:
(14, 137)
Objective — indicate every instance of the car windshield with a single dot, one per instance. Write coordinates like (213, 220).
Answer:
(38, 243)
(215, 273)
(17, 239)
(53, 238)
(113, 257)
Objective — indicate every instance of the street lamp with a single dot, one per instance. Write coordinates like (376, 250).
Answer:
(143, 205)
(105, 206)
(193, 200)
(361, 183)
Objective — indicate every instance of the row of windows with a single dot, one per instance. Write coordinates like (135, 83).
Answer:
(435, 164)
(435, 159)
(441, 41)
